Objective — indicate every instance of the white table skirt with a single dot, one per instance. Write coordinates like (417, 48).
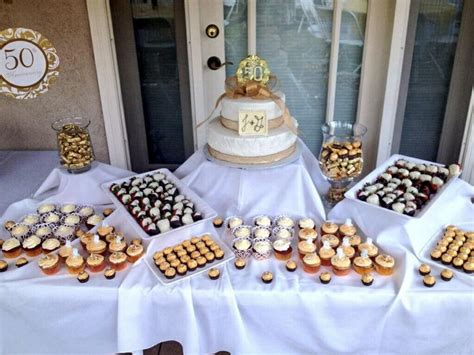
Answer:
(239, 313)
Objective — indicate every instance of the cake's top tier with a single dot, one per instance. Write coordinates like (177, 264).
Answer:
(231, 107)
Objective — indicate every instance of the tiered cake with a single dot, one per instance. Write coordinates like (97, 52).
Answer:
(225, 143)
(254, 126)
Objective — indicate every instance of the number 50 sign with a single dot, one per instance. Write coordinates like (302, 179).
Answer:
(28, 63)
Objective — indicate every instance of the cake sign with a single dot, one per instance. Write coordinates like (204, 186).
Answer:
(253, 123)
(253, 68)
(28, 63)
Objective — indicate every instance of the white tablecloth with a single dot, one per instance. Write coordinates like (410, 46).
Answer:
(239, 313)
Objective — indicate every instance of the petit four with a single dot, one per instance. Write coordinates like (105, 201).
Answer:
(340, 263)
(282, 249)
(291, 265)
(446, 275)
(367, 279)
(325, 277)
(267, 277)
(384, 264)
(83, 277)
(49, 264)
(21, 262)
(429, 280)
(3, 266)
(311, 263)
(213, 273)
(11, 248)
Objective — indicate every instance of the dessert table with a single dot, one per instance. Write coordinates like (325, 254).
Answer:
(237, 312)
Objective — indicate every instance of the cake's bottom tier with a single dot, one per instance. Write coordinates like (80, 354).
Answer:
(226, 144)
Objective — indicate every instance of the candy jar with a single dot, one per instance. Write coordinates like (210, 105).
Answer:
(74, 144)
(341, 159)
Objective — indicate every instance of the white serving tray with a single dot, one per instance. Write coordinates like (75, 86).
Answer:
(352, 193)
(288, 160)
(426, 250)
(200, 205)
(160, 244)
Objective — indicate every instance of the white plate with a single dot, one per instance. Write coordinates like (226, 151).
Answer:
(429, 246)
(289, 159)
(200, 205)
(352, 193)
(160, 244)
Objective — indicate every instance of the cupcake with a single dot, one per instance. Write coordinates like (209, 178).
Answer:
(83, 277)
(96, 246)
(262, 221)
(282, 249)
(468, 266)
(11, 248)
(72, 220)
(325, 277)
(192, 264)
(32, 246)
(340, 263)
(233, 222)
(43, 231)
(367, 279)
(75, 262)
(429, 280)
(261, 232)
(291, 265)
(326, 253)
(85, 239)
(109, 273)
(213, 273)
(68, 208)
(435, 255)
(134, 252)
(331, 239)
(346, 247)
(85, 212)
(64, 232)
(306, 233)
(355, 241)
(50, 245)
(30, 220)
(104, 230)
(262, 249)
(306, 223)
(107, 212)
(170, 273)
(363, 264)
(242, 247)
(267, 277)
(311, 263)
(347, 229)
(65, 251)
(51, 218)
(384, 264)
(219, 253)
(283, 233)
(284, 222)
(117, 244)
(93, 221)
(240, 263)
(3, 266)
(20, 231)
(306, 247)
(46, 208)
(372, 250)
(242, 231)
(95, 262)
(181, 269)
(49, 264)
(446, 275)
(329, 228)
(118, 260)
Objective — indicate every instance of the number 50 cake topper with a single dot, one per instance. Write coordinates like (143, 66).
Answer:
(28, 63)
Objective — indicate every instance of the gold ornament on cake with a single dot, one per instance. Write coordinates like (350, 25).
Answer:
(253, 68)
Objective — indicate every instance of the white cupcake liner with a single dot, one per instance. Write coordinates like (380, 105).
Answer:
(277, 218)
(226, 221)
(46, 203)
(84, 218)
(63, 220)
(23, 237)
(265, 255)
(254, 229)
(41, 225)
(32, 224)
(45, 216)
(64, 238)
(60, 207)
(277, 229)
(254, 220)
(243, 226)
(243, 254)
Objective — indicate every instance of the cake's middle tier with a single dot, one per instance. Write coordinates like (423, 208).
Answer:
(231, 107)
(229, 142)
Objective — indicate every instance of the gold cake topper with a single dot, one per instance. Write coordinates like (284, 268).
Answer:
(253, 68)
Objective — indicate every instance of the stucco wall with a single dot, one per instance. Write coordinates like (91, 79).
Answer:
(25, 124)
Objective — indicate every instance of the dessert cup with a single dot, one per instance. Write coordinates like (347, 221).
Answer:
(331, 239)
(280, 233)
(49, 264)
(372, 250)
(75, 262)
(262, 221)
(341, 264)
(311, 263)
(282, 249)
(284, 222)
(262, 248)
(326, 253)
(384, 264)
(242, 247)
(117, 244)
(306, 247)
(96, 262)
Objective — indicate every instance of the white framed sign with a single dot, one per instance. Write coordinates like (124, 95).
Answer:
(253, 123)
(28, 63)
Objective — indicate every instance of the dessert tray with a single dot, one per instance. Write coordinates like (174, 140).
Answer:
(178, 238)
(433, 241)
(288, 160)
(199, 206)
(377, 172)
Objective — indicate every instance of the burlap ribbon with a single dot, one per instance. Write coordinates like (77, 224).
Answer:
(256, 91)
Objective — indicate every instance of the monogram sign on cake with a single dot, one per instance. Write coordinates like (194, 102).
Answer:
(28, 63)
(253, 123)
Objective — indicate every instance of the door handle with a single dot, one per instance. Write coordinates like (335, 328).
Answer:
(215, 63)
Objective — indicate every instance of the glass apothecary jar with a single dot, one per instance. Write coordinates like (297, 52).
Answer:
(341, 157)
(76, 153)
